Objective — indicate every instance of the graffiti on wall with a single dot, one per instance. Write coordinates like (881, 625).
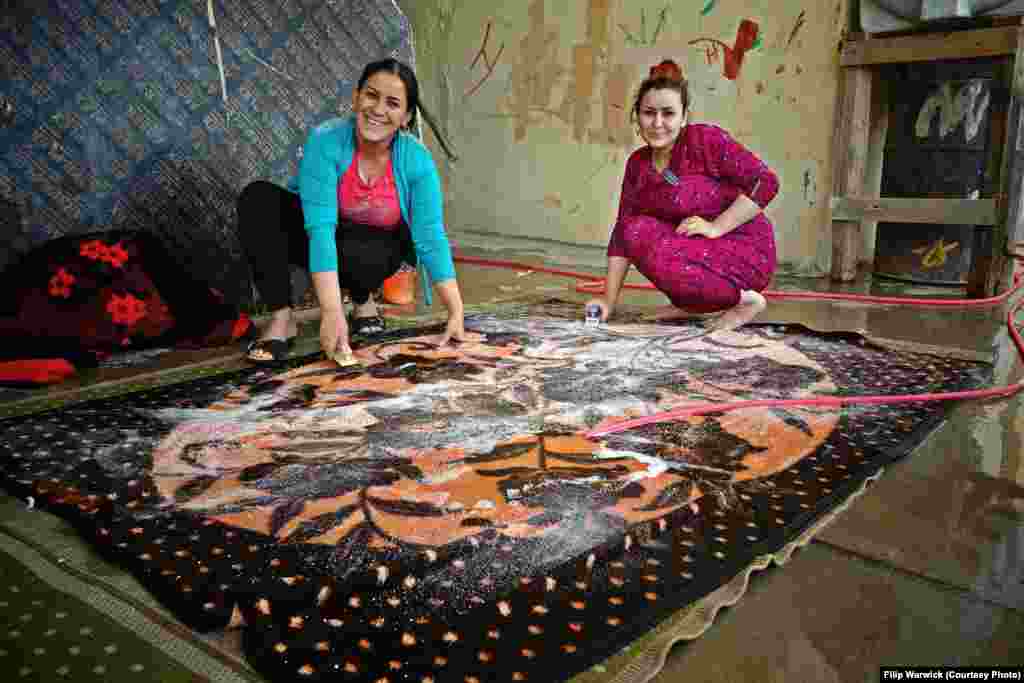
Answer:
(967, 104)
(488, 62)
(640, 38)
(936, 254)
(747, 38)
(591, 94)
(797, 25)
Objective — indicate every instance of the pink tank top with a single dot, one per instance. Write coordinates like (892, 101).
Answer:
(374, 203)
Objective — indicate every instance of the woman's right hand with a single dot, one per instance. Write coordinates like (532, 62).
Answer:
(334, 333)
(606, 308)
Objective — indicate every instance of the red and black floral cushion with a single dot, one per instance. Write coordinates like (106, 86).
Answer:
(86, 296)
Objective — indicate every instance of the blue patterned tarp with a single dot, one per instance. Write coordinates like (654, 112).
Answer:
(112, 114)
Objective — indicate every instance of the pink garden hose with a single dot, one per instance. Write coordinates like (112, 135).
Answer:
(594, 285)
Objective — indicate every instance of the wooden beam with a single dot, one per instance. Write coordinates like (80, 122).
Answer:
(984, 42)
(850, 148)
(916, 210)
(1011, 146)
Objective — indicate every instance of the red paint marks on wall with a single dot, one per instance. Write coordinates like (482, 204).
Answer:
(746, 37)
(489, 63)
(796, 28)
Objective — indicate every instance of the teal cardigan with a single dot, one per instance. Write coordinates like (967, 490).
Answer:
(325, 158)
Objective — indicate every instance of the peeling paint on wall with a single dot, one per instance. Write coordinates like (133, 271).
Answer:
(534, 76)
(538, 75)
(552, 201)
(969, 105)
(583, 65)
(598, 22)
(617, 126)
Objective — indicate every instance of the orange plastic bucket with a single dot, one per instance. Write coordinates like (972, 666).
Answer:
(400, 288)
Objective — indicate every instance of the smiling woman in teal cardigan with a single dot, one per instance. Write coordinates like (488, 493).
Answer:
(367, 198)
(328, 154)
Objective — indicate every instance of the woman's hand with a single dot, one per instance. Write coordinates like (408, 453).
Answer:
(456, 330)
(334, 333)
(333, 326)
(695, 226)
(606, 308)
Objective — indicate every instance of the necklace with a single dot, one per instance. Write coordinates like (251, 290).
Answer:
(666, 173)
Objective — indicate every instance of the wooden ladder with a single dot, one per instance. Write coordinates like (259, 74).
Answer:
(854, 203)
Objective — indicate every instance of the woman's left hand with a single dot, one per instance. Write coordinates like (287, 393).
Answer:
(456, 330)
(695, 226)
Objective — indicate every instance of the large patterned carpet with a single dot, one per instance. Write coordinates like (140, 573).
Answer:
(441, 515)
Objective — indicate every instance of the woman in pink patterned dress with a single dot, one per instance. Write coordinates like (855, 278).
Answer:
(690, 215)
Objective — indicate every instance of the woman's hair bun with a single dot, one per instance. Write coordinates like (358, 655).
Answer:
(666, 69)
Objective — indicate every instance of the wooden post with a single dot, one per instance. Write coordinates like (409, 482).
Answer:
(1014, 144)
(990, 270)
(851, 145)
(878, 133)
(979, 280)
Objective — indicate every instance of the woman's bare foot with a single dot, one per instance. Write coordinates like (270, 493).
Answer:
(663, 313)
(280, 326)
(750, 305)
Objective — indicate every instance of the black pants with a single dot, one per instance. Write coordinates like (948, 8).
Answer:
(272, 232)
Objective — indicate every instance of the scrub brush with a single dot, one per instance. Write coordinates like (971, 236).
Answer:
(344, 358)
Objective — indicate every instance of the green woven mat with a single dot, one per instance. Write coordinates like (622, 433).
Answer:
(59, 622)
(49, 634)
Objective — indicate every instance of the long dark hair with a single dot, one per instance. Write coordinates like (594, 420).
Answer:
(663, 76)
(412, 95)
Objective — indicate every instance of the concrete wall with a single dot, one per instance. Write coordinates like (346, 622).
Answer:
(535, 97)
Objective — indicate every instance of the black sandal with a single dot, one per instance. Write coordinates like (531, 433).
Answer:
(370, 325)
(277, 348)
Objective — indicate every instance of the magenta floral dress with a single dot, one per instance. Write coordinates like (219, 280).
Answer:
(697, 273)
